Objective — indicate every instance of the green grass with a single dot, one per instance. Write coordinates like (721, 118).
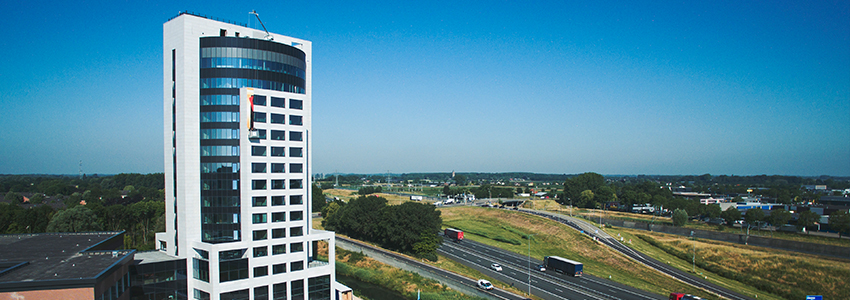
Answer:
(552, 238)
(357, 265)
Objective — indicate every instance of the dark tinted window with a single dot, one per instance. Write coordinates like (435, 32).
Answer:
(295, 152)
(296, 104)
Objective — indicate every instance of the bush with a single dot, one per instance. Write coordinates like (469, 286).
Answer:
(680, 217)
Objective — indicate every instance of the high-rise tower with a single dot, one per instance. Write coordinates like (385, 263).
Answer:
(237, 112)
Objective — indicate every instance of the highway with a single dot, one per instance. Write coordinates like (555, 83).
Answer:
(546, 285)
(613, 243)
(495, 293)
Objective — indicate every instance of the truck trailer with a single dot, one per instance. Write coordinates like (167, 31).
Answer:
(563, 265)
(454, 234)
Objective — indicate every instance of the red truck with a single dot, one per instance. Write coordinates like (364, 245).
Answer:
(454, 234)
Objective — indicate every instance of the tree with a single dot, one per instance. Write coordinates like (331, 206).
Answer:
(367, 190)
(427, 246)
(713, 211)
(585, 199)
(76, 219)
(402, 226)
(410, 227)
(680, 217)
(359, 219)
(605, 194)
(319, 201)
(573, 187)
(779, 217)
(329, 211)
(73, 200)
(731, 215)
(840, 221)
(145, 213)
(14, 198)
(753, 216)
(460, 180)
(806, 219)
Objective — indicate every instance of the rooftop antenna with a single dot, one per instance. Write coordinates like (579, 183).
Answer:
(268, 35)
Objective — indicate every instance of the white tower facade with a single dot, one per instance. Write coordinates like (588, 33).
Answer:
(237, 119)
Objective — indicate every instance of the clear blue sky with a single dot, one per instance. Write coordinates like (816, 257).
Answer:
(684, 87)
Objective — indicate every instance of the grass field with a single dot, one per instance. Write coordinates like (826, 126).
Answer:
(799, 237)
(755, 270)
(593, 215)
(346, 195)
(442, 262)
(510, 229)
(366, 269)
(632, 239)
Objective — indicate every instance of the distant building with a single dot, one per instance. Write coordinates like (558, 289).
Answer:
(744, 206)
(835, 200)
(819, 188)
(712, 200)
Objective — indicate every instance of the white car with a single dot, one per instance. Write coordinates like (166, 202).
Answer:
(496, 267)
(484, 284)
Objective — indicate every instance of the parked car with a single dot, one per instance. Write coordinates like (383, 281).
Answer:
(496, 267)
(484, 284)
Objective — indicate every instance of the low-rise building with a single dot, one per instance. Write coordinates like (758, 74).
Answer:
(90, 265)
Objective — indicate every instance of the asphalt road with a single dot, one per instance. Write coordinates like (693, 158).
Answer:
(548, 285)
(495, 293)
(640, 257)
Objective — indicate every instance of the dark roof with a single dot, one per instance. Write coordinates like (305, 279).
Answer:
(59, 257)
(834, 200)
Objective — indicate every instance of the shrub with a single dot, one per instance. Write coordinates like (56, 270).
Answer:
(680, 217)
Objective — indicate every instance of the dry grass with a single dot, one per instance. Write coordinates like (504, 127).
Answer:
(347, 195)
(789, 274)
(594, 214)
(542, 204)
(342, 194)
(631, 238)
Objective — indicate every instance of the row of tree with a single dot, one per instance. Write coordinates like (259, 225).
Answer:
(133, 203)
(410, 227)
(838, 220)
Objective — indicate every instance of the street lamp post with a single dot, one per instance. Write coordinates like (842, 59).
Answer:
(694, 259)
(529, 263)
